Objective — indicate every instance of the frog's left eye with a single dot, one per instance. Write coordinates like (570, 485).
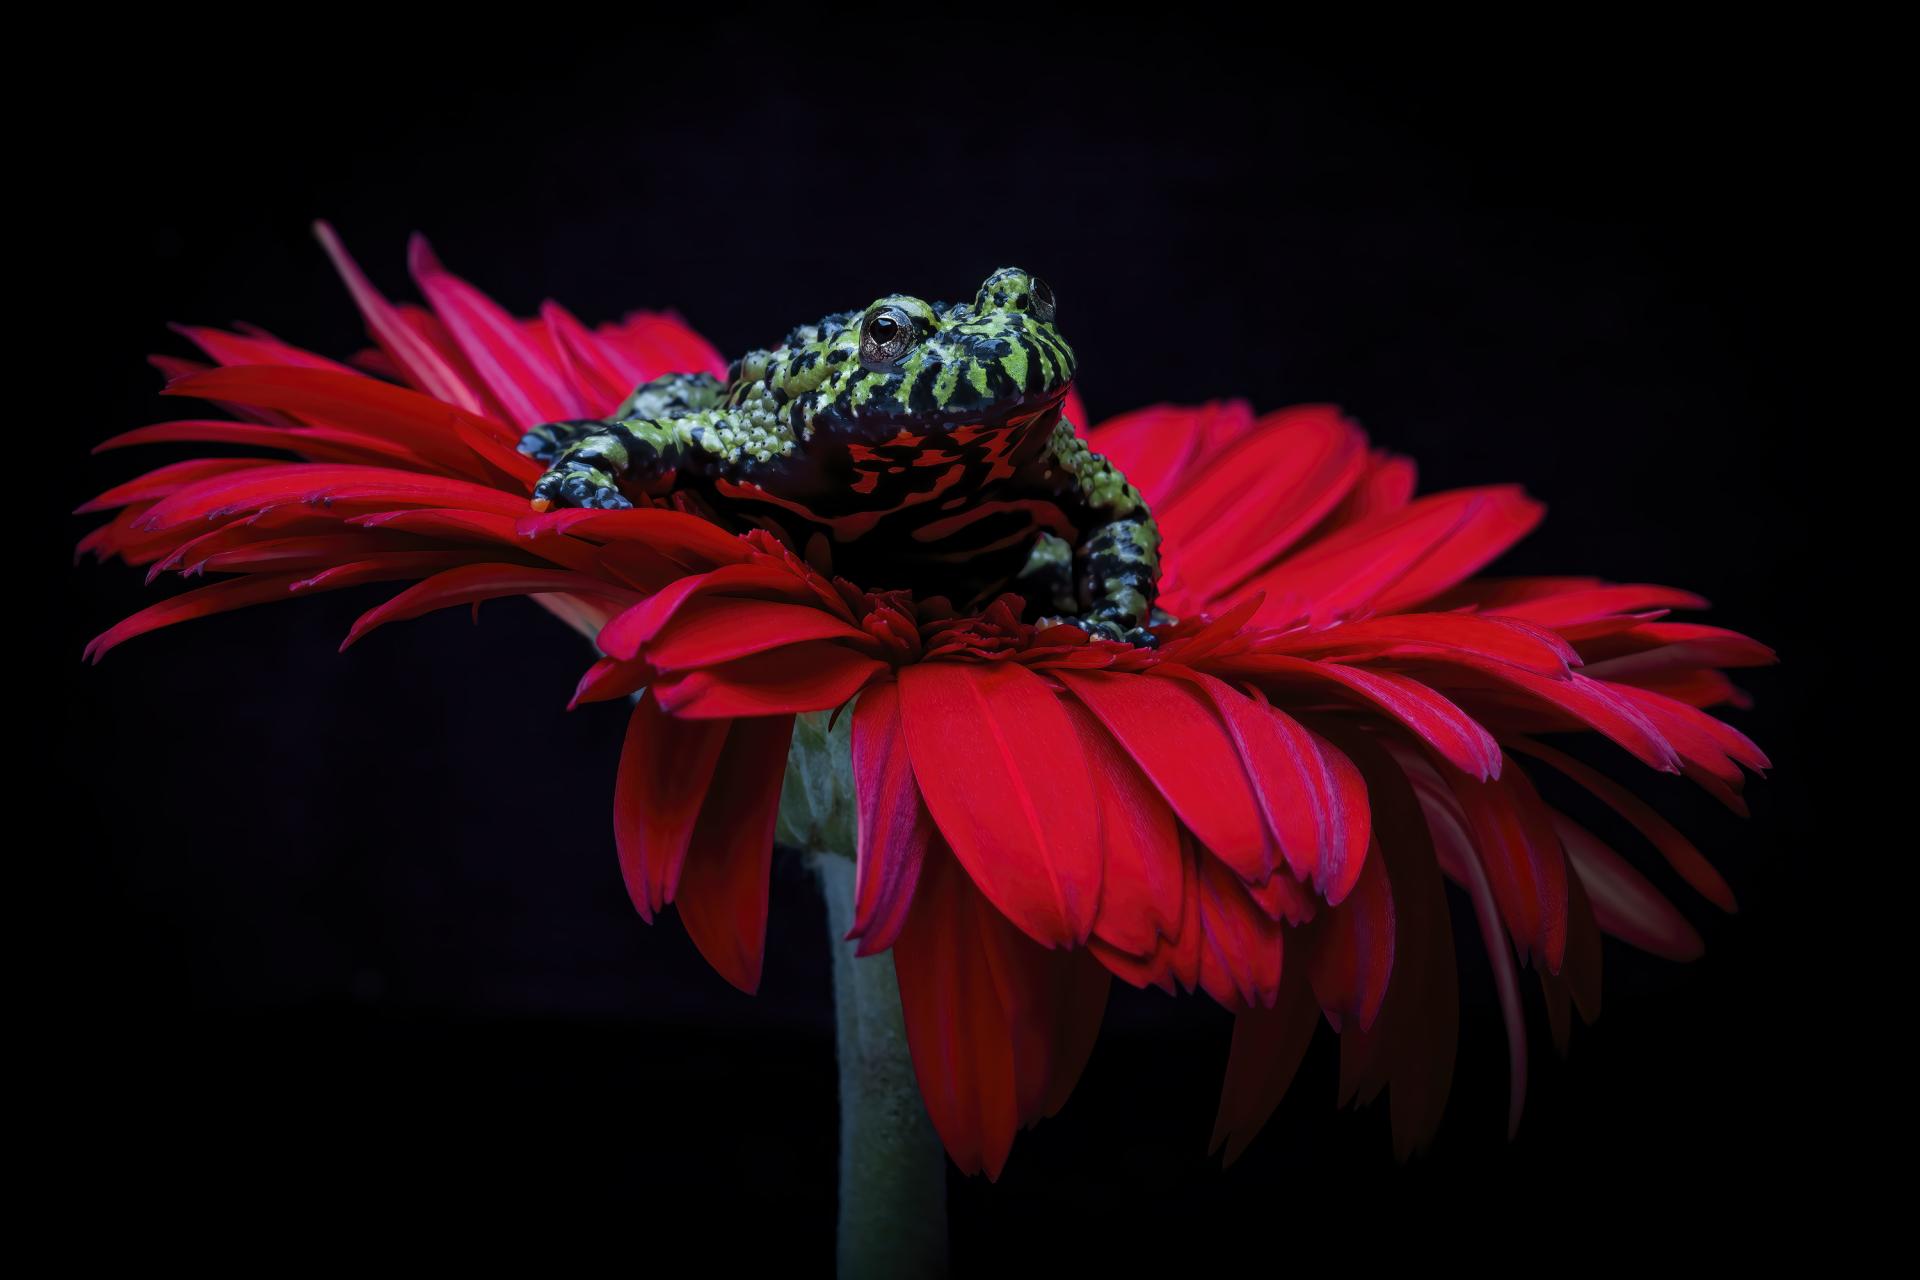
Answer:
(885, 337)
(1042, 300)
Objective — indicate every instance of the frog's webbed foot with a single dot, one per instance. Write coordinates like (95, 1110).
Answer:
(593, 456)
(1099, 628)
(583, 475)
(581, 488)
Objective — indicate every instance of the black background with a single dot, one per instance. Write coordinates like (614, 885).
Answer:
(335, 951)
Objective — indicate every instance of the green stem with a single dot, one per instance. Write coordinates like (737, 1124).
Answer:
(893, 1171)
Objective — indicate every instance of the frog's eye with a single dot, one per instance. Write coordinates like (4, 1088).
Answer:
(885, 337)
(1042, 300)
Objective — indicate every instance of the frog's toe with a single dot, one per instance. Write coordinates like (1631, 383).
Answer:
(605, 499)
(1102, 629)
(579, 487)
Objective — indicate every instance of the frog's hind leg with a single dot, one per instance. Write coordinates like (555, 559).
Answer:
(1119, 554)
(1047, 579)
(1123, 577)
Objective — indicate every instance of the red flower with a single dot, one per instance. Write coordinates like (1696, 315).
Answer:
(1265, 807)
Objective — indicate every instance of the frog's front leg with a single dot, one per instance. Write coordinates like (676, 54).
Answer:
(586, 457)
(588, 460)
(544, 442)
(1118, 555)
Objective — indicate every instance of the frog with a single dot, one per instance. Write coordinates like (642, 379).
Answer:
(910, 444)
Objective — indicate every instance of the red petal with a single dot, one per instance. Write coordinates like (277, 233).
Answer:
(1624, 904)
(345, 490)
(1386, 486)
(1501, 516)
(1257, 498)
(1054, 1002)
(1023, 978)
(1171, 731)
(1141, 884)
(666, 766)
(1606, 707)
(172, 478)
(649, 343)
(521, 377)
(256, 531)
(1268, 1045)
(637, 628)
(417, 359)
(317, 552)
(354, 402)
(699, 544)
(817, 676)
(1457, 852)
(1701, 739)
(473, 583)
(708, 631)
(1451, 732)
(1001, 769)
(1353, 949)
(1153, 447)
(258, 347)
(238, 593)
(1315, 804)
(1563, 603)
(1343, 574)
(610, 678)
(1679, 852)
(1513, 835)
(1441, 636)
(596, 374)
(1411, 1044)
(722, 894)
(221, 597)
(486, 527)
(321, 444)
(1080, 988)
(1652, 647)
(895, 829)
(1033, 1027)
(585, 617)
(1582, 970)
(956, 1026)
(1240, 960)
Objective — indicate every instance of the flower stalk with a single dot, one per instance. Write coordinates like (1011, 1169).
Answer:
(893, 1172)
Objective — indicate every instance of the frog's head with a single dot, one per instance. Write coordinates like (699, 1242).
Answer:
(926, 367)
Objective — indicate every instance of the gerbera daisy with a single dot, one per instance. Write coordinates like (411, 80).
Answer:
(1265, 806)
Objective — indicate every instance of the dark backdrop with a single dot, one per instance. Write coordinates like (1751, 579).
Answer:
(333, 951)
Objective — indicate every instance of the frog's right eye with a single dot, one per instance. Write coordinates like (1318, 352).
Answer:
(1043, 303)
(885, 337)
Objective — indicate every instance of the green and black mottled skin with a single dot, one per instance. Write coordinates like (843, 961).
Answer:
(912, 444)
